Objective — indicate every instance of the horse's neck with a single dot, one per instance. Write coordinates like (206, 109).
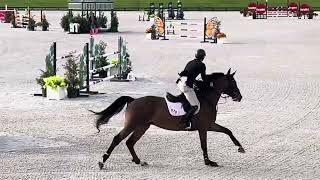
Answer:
(211, 99)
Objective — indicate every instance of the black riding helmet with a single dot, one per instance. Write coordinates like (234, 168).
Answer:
(201, 54)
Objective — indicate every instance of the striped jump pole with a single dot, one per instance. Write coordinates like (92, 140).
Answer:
(190, 30)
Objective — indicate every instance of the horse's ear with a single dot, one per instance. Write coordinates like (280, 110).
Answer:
(233, 73)
(229, 71)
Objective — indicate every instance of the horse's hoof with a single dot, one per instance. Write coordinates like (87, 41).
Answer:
(100, 165)
(144, 164)
(211, 163)
(241, 150)
(137, 161)
(105, 157)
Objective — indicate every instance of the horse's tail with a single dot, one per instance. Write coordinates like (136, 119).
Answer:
(112, 110)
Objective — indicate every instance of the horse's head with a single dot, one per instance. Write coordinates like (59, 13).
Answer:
(225, 83)
(231, 89)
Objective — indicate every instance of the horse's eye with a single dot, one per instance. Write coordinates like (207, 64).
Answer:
(211, 84)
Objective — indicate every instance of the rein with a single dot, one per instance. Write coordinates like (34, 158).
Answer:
(223, 96)
(225, 99)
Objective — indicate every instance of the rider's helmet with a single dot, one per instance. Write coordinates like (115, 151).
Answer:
(201, 54)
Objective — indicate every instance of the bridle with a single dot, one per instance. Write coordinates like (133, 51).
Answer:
(225, 98)
(222, 95)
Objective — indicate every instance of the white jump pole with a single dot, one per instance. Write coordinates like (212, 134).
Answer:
(6, 7)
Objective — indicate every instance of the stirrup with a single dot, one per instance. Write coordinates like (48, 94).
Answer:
(187, 126)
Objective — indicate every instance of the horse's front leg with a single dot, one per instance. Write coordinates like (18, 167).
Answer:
(218, 128)
(203, 140)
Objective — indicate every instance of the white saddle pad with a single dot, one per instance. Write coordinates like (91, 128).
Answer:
(176, 109)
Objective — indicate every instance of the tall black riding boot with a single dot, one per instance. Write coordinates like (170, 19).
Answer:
(188, 117)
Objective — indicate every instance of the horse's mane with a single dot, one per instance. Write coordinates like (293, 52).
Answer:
(214, 76)
(204, 86)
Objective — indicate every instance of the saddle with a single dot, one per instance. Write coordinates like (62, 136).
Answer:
(179, 99)
(178, 104)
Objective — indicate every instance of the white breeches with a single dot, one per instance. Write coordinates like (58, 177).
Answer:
(188, 92)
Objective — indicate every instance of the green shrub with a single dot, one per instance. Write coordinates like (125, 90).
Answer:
(45, 24)
(102, 21)
(31, 24)
(43, 75)
(83, 22)
(114, 22)
(99, 52)
(245, 12)
(13, 22)
(8, 17)
(65, 21)
(72, 72)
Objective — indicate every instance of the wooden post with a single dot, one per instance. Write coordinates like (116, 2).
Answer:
(41, 15)
(29, 13)
(266, 9)
(164, 28)
(81, 9)
(204, 30)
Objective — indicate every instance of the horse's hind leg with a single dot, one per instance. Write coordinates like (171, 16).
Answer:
(136, 135)
(116, 140)
(218, 128)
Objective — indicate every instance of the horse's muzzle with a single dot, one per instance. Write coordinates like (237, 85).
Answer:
(238, 98)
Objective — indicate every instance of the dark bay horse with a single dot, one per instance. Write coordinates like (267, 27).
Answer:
(151, 110)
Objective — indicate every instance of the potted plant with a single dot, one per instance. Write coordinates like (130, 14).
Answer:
(114, 22)
(151, 33)
(114, 69)
(72, 78)
(31, 24)
(148, 33)
(56, 87)
(65, 21)
(221, 37)
(40, 81)
(45, 24)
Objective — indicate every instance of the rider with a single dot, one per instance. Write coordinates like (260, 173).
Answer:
(186, 82)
